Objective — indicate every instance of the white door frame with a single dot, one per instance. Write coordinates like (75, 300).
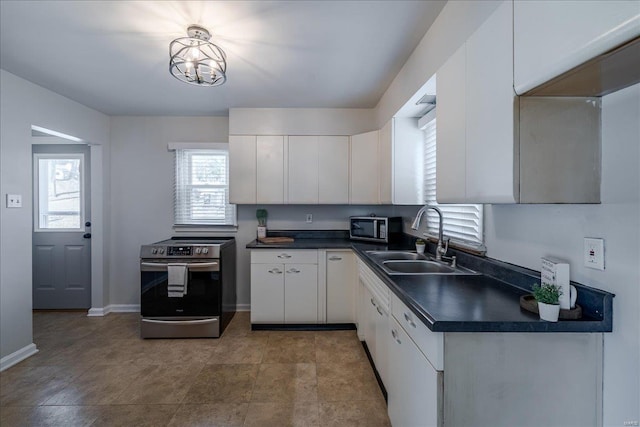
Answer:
(98, 249)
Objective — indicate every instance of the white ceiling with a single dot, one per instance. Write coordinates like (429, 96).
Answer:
(113, 55)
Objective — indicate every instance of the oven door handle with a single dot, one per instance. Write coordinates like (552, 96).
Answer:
(160, 266)
(181, 322)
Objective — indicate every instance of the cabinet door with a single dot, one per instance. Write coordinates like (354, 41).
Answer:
(242, 169)
(491, 158)
(270, 169)
(370, 318)
(364, 169)
(451, 130)
(381, 325)
(341, 287)
(385, 164)
(413, 387)
(303, 170)
(301, 293)
(408, 162)
(572, 33)
(267, 293)
(333, 170)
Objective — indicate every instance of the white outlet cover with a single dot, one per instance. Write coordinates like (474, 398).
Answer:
(594, 253)
(14, 200)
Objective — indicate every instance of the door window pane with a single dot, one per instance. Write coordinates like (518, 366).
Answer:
(59, 193)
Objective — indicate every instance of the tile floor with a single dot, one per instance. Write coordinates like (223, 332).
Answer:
(98, 372)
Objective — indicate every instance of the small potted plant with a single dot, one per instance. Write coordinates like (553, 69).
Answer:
(548, 297)
(261, 215)
(420, 246)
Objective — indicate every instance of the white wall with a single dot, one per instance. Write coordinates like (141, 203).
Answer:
(521, 234)
(141, 173)
(24, 104)
(455, 23)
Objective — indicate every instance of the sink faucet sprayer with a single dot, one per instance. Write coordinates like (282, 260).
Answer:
(440, 251)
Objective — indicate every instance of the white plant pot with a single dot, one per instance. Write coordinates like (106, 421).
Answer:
(549, 312)
(420, 248)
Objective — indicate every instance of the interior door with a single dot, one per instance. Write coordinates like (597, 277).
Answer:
(61, 269)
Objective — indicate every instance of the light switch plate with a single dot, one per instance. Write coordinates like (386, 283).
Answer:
(14, 200)
(594, 253)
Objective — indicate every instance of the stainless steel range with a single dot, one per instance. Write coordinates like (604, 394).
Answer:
(188, 287)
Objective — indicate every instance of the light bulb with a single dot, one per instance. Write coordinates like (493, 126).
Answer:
(195, 53)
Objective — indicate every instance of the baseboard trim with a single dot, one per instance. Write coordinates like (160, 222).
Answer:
(113, 308)
(98, 312)
(125, 308)
(17, 356)
(243, 307)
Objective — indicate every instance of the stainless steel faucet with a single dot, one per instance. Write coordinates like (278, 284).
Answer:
(440, 251)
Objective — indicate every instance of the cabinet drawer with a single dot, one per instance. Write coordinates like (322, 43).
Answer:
(431, 344)
(285, 256)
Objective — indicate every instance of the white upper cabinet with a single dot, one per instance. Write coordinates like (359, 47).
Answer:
(242, 169)
(385, 166)
(333, 170)
(490, 114)
(451, 130)
(552, 37)
(400, 170)
(364, 169)
(270, 169)
(303, 170)
(477, 156)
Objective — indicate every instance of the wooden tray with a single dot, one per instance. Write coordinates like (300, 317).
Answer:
(529, 303)
(276, 240)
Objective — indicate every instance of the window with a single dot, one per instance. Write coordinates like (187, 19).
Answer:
(201, 191)
(460, 222)
(59, 192)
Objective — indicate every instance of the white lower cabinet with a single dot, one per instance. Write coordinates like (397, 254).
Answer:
(267, 293)
(284, 286)
(373, 318)
(341, 290)
(301, 293)
(414, 387)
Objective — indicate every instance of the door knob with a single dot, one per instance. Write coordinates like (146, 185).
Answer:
(86, 235)
(87, 224)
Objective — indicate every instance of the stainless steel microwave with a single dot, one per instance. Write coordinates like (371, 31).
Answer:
(375, 228)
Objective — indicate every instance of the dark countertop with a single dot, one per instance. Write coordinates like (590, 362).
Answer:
(481, 303)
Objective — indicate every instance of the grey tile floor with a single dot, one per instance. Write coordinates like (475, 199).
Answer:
(98, 372)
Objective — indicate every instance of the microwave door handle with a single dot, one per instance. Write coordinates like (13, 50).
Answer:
(375, 228)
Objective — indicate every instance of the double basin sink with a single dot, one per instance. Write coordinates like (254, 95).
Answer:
(412, 263)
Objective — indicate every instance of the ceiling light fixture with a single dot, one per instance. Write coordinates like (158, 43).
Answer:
(195, 60)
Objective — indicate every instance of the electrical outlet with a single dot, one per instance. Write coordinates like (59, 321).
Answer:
(309, 218)
(14, 200)
(594, 253)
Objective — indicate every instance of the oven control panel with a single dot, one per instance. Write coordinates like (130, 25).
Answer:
(179, 250)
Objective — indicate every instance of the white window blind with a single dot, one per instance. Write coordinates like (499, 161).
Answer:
(460, 222)
(201, 189)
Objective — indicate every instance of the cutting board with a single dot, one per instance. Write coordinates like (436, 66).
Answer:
(276, 240)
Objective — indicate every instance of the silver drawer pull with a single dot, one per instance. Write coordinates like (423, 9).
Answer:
(395, 336)
(293, 270)
(379, 311)
(409, 321)
(373, 303)
(335, 258)
(275, 271)
(285, 256)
